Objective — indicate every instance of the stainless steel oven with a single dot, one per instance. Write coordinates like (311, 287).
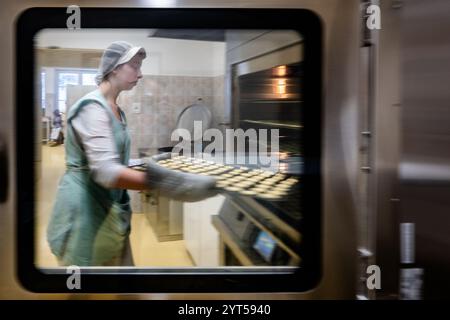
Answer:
(267, 94)
(335, 251)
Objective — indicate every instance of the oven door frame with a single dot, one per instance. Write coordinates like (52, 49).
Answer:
(166, 280)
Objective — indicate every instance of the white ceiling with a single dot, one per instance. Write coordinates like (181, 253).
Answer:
(165, 56)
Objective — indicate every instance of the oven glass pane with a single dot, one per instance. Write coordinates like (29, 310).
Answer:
(236, 95)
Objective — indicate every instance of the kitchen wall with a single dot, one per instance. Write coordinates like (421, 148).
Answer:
(161, 100)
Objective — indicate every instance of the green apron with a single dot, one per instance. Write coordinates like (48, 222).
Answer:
(89, 223)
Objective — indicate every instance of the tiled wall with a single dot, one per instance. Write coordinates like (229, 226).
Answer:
(218, 103)
(162, 99)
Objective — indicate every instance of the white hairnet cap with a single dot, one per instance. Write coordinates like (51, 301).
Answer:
(117, 53)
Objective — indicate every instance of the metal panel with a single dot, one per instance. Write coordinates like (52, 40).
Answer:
(385, 148)
(425, 158)
(340, 148)
(262, 44)
(285, 56)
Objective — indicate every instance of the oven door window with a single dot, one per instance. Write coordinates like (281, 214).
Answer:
(217, 105)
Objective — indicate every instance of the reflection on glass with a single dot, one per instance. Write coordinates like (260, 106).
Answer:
(281, 88)
(62, 93)
(43, 90)
(67, 78)
(281, 71)
(214, 232)
(61, 105)
(88, 79)
(264, 245)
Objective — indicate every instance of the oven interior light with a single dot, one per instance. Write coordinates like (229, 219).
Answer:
(283, 156)
(281, 71)
(281, 87)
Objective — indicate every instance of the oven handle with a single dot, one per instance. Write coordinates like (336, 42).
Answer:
(4, 181)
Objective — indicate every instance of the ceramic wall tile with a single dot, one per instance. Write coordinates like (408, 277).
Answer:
(162, 99)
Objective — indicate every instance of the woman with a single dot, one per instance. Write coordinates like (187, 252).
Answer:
(90, 223)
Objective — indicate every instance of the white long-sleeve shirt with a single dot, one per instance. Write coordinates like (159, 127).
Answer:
(93, 126)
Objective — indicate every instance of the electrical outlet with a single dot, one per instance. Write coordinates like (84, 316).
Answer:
(136, 107)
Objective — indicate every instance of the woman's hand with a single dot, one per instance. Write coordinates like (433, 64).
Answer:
(179, 185)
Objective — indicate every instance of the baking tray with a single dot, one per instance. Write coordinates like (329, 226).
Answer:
(237, 180)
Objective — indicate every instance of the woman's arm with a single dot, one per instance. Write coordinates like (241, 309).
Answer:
(131, 179)
(92, 125)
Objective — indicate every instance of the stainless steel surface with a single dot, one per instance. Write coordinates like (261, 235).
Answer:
(424, 163)
(250, 94)
(340, 20)
(197, 112)
(386, 149)
(241, 219)
(228, 240)
(279, 56)
(4, 180)
(170, 216)
(365, 232)
(250, 205)
(278, 124)
(242, 46)
(164, 215)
